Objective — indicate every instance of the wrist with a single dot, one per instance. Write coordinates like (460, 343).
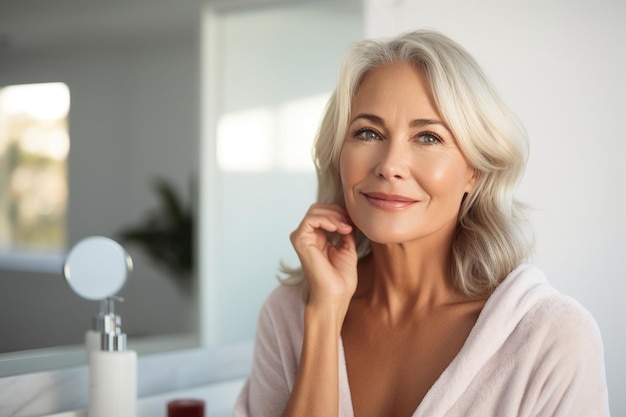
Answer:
(324, 317)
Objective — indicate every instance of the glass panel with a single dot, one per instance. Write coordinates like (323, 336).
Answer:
(277, 69)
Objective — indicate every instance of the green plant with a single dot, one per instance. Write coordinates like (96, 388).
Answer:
(166, 233)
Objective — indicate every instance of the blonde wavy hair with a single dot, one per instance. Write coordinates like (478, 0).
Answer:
(492, 236)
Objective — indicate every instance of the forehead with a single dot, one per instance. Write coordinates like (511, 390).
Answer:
(396, 86)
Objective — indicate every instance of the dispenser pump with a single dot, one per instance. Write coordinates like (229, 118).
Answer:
(98, 320)
(112, 338)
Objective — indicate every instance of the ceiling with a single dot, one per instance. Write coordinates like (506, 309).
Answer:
(28, 26)
(41, 24)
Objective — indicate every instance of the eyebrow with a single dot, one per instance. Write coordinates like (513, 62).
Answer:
(414, 123)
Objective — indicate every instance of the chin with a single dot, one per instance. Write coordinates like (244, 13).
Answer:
(386, 236)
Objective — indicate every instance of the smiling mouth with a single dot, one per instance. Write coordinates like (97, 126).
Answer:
(389, 202)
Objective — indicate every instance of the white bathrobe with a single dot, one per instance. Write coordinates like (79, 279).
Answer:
(532, 352)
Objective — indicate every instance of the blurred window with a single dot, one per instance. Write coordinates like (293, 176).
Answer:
(34, 145)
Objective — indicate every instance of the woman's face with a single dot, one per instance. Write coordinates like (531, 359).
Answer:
(402, 172)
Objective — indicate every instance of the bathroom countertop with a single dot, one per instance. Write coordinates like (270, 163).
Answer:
(214, 373)
(219, 400)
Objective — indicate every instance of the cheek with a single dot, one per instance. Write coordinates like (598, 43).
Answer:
(350, 168)
(444, 177)
(352, 171)
(342, 166)
(345, 178)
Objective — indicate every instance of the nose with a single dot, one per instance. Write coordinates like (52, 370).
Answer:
(394, 162)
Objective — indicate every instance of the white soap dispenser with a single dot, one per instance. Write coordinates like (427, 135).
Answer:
(96, 269)
(112, 371)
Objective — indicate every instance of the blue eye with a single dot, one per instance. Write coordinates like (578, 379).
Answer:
(367, 135)
(429, 138)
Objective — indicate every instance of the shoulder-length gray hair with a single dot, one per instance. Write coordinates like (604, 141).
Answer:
(491, 238)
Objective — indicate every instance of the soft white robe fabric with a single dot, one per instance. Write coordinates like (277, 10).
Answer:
(532, 352)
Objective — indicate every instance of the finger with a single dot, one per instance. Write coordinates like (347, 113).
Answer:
(312, 231)
(325, 219)
(324, 222)
(348, 242)
(331, 210)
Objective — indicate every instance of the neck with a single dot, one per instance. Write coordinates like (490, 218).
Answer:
(405, 278)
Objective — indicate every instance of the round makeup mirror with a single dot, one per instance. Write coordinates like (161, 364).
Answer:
(97, 268)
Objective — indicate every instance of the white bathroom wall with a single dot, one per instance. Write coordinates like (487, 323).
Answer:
(560, 66)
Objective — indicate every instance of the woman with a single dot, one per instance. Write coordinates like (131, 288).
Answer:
(417, 300)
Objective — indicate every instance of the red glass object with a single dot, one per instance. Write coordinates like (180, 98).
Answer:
(186, 407)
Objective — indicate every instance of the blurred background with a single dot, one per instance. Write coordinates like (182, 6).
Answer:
(109, 110)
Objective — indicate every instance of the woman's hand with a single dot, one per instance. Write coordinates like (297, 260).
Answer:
(331, 274)
(330, 270)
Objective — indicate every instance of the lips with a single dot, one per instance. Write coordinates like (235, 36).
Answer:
(390, 202)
